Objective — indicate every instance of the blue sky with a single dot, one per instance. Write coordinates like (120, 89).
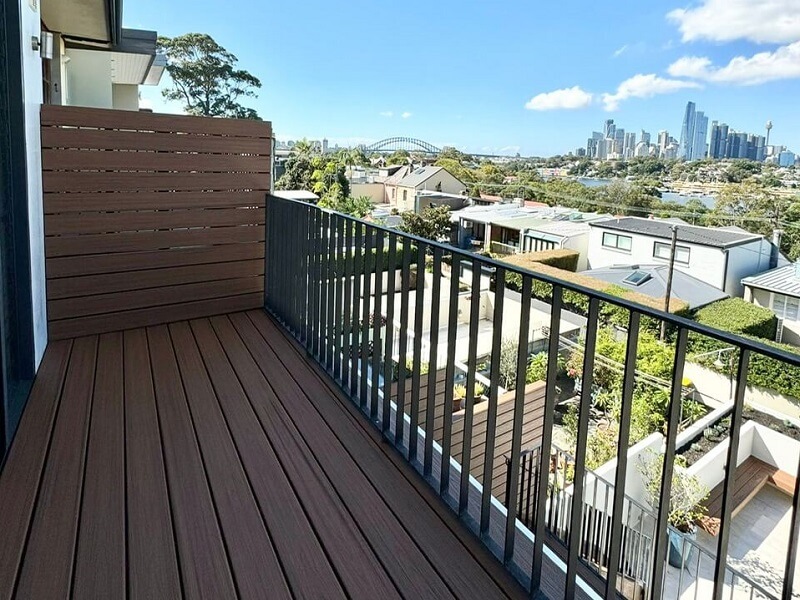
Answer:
(482, 75)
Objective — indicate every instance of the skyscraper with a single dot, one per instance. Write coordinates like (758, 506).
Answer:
(700, 136)
(645, 137)
(687, 132)
(609, 129)
(663, 141)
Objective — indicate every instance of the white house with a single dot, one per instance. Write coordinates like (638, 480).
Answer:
(778, 290)
(721, 256)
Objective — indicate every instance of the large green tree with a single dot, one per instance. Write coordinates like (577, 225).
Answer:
(205, 79)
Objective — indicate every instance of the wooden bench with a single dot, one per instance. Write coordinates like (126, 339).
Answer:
(751, 476)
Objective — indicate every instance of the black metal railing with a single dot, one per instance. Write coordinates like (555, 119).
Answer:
(396, 320)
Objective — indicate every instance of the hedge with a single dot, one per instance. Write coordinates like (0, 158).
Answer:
(739, 317)
(560, 258)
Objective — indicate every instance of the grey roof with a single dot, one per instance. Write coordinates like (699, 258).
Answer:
(694, 292)
(419, 176)
(703, 236)
(784, 280)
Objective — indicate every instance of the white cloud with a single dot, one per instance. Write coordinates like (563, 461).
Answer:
(620, 51)
(644, 86)
(760, 21)
(386, 113)
(563, 99)
(783, 63)
(406, 114)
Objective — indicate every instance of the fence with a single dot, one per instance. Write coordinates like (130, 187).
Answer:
(316, 262)
(150, 218)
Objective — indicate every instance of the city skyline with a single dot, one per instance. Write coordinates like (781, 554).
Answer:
(501, 94)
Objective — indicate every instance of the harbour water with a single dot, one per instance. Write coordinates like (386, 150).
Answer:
(706, 199)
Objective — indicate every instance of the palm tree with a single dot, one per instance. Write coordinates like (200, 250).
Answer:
(304, 148)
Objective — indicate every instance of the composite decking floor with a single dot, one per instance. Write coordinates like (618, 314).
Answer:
(210, 459)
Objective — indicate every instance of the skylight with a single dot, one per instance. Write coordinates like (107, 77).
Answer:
(637, 278)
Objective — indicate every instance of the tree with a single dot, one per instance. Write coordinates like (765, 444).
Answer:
(304, 148)
(297, 175)
(358, 207)
(205, 78)
(432, 223)
(398, 157)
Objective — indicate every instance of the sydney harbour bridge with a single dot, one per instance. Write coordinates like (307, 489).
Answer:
(408, 144)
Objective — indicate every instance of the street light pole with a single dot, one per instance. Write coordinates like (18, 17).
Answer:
(670, 272)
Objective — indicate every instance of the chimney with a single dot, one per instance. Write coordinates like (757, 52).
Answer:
(776, 248)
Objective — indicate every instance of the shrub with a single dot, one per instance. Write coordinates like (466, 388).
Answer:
(559, 258)
(739, 316)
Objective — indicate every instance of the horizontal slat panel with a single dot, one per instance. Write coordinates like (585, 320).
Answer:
(88, 201)
(145, 220)
(134, 299)
(107, 139)
(150, 240)
(108, 160)
(82, 181)
(76, 266)
(69, 287)
(68, 328)
(143, 121)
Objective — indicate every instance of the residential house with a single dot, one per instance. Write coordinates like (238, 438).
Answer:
(651, 280)
(511, 228)
(778, 290)
(721, 256)
(402, 188)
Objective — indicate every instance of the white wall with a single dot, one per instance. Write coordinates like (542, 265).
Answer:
(89, 79)
(125, 96)
(32, 95)
(746, 260)
(705, 263)
(580, 243)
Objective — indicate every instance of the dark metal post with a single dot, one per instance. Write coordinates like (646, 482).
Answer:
(670, 273)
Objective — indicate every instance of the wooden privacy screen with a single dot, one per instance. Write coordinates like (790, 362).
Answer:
(151, 218)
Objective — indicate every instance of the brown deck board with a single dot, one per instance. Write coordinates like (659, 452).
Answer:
(26, 460)
(307, 568)
(210, 458)
(47, 567)
(428, 530)
(100, 562)
(152, 561)
(255, 565)
(201, 549)
(362, 573)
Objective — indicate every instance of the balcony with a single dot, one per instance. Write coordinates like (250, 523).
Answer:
(247, 396)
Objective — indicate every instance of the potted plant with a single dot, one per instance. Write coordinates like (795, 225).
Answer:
(479, 391)
(685, 504)
(459, 393)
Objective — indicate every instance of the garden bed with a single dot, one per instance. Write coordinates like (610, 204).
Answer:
(718, 432)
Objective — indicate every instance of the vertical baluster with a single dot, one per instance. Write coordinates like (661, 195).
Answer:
(405, 275)
(547, 437)
(323, 291)
(388, 368)
(355, 336)
(338, 315)
(304, 213)
(469, 401)
(433, 359)
(316, 320)
(450, 371)
(347, 304)
(628, 381)
(376, 324)
(516, 428)
(720, 566)
(330, 292)
(419, 305)
(580, 447)
(794, 533)
(491, 415)
(366, 292)
(661, 533)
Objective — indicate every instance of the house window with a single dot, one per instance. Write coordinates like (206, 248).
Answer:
(616, 241)
(405, 195)
(786, 307)
(662, 250)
